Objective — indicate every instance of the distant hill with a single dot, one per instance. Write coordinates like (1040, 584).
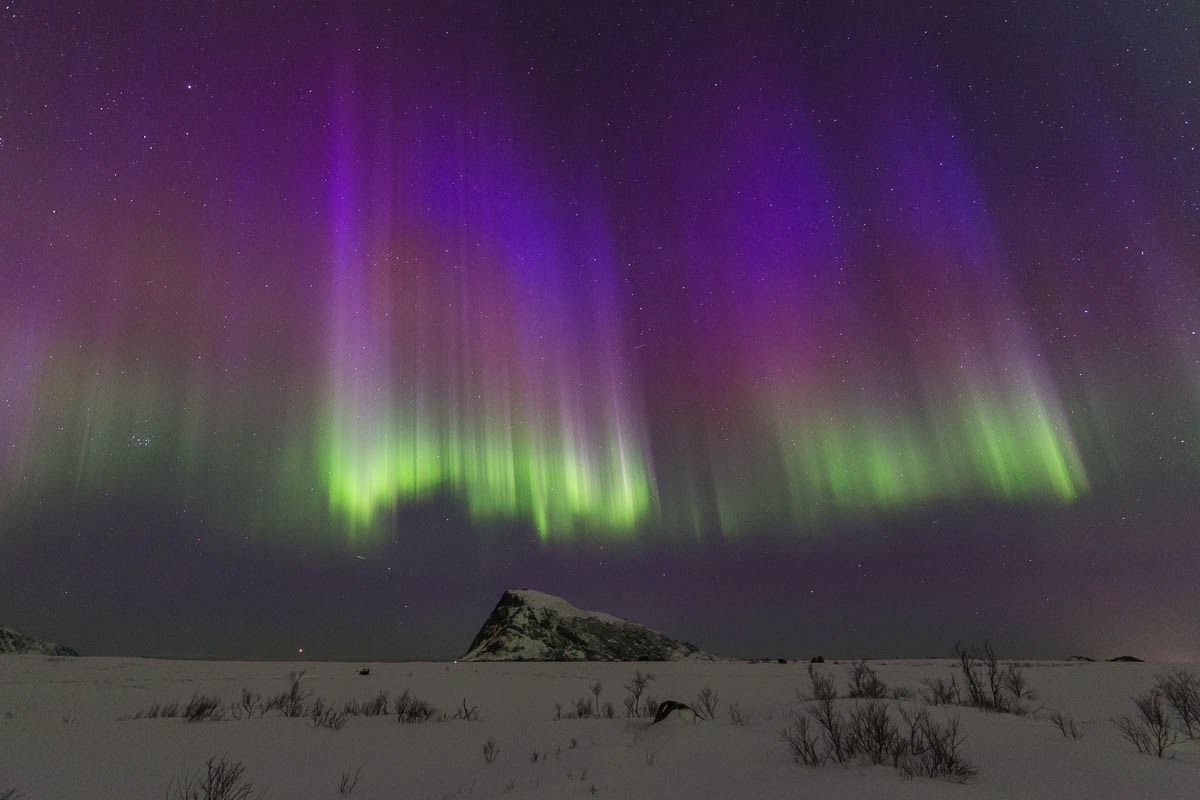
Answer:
(531, 626)
(16, 642)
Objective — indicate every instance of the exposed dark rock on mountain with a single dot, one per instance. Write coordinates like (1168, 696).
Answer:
(531, 626)
(1126, 659)
(16, 642)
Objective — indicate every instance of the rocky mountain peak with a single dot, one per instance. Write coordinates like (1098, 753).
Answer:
(527, 625)
(12, 641)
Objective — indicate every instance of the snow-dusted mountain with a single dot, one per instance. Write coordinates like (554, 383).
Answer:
(16, 642)
(532, 626)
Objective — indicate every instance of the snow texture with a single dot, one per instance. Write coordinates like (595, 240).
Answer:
(66, 732)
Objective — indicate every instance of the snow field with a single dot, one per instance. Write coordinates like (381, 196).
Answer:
(65, 732)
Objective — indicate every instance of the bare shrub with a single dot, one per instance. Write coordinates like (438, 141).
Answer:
(324, 715)
(1066, 726)
(802, 743)
(987, 684)
(410, 709)
(159, 710)
(821, 687)
(375, 707)
(467, 713)
(583, 708)
(707, 700)
(490, 751)
(595, 689)
(938, 692)
(348, 782)
(925, 748)
(737, 716)
(1150, 730)
(201, 708)
(219, 780)
(609, 711)
(9, 794)
(972, 693)
(1013, 681)
(293, 702)
(1182, 692)
(872, 732)
(865, 683)
(835, 732)
(249, 705)
(930, 750)
(635, 688)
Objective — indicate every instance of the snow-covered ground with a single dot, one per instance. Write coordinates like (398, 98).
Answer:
(65, 732)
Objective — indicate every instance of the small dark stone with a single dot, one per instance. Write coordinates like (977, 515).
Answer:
(365, 671)
(818, 660)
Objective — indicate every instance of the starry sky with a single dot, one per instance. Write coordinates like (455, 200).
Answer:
(853, 328)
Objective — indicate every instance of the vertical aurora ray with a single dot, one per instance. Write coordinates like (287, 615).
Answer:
(860, 380)
(472, 350)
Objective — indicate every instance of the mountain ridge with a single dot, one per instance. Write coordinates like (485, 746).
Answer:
(528, 625)
(13, 641)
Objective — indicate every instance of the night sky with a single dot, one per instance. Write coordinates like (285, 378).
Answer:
(850, 329)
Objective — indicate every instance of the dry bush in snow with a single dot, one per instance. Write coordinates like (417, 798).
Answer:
(324, 715)
(348, 782)
(1066, 726)
(201, 708)
(987, 684)
(865, 683)
(467, 713)
(931, 750)
(925, 748)
(410, 709)
(821, 687)
(219, 780)
(158, 710)
(1150, 730)
(250, 705)
(707, 700)
(937, 692)
(375, 707)
(1182, 692)
(802, 741)
(633, 700)
(293, 702)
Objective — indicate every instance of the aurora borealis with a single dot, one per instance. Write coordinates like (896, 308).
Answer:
(602, 285)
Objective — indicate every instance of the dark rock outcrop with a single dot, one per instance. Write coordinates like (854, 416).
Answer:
(531, 626)
(668, 707)
(16, 642)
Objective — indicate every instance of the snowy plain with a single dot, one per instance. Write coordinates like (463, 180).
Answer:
(66, 732)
